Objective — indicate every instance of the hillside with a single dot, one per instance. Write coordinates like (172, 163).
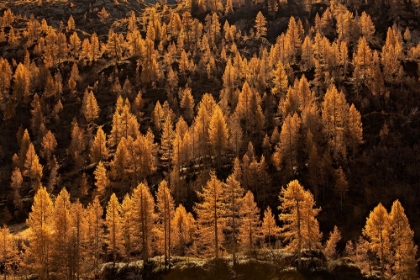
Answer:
(126, 97)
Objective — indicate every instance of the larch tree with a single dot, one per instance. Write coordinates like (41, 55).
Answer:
(298, 215)
(341, 185)
(184, 230)
(210, 215)
(94, 234)
(187, 104)
(232, 197)
(78, 237)
(144, 218)
(403, 249)
(331, 244)
(127, 227)
(98, 150)
(21, 83)
(377, 234)
(40, 224)
(286, 150)
(280, 81)
(260, 25)
(218, 134)
(90, 107)
(61, 242)
(16, 185)
(354, 129)
(269, 229)
(8, 251)
(33, 169)
(165, 212)
(113, 223)
(334, 121)
(367, 28)
(362, 61)
(101, 179)
(49, 143)
(249, 229)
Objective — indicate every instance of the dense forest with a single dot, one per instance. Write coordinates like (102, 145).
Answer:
(279, 138)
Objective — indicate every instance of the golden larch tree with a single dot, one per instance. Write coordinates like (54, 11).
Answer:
(218, 134)
(94, 235)
(232, 197)
(210, 215)
(298, 215)
(113, 223)
(249, 230)
(144, 218)
(269, 229)
(403, 249)
(101, 179)
(377, 234)
(61, 239)
(40, 224)
(165, 212)
(99, 151)
(260, 25)
(8, 251)
(331, 244)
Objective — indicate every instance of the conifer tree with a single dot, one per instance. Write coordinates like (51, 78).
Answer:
(49, 143)
(377, 233)
(187, 104)
(232, 197)
(341, 185)
(144, 219)
(90, 107)
(210, 215)
(94, 234)
(300, 227)
(127, 227)
(330, 246)
(99, 151)
(218, 133)
(40, 223)
(78, 237)
(260, 25)
(403, 250)
(280, 82)
(16, 184)
(249, 229)
(61, 226)
(33, 169)
(184, 230)
(101, 179)
(287, 148)
(165, 211)
(113, 223)
(334, 120)
(8, 251)
(269, 230)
